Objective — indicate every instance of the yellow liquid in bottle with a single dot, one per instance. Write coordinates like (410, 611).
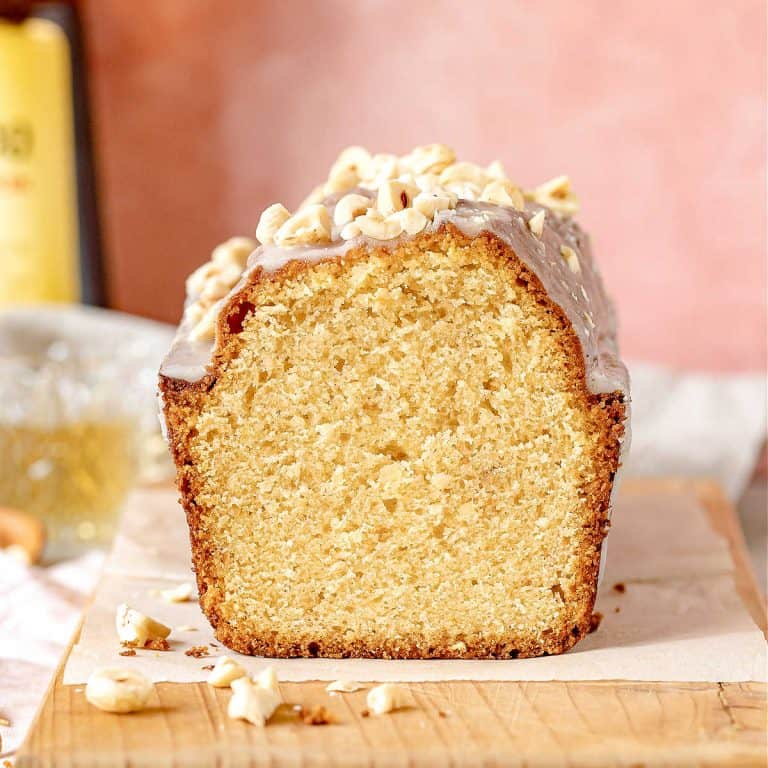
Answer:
(39, 258)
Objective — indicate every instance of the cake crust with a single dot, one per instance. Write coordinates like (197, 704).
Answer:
(184, 400)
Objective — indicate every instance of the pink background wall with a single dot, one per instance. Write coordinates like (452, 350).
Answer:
(207, 112)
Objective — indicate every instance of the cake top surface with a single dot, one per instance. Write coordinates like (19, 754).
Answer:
(380, 198)
(372, 196)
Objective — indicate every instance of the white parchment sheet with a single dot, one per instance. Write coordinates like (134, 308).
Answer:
(680, 617)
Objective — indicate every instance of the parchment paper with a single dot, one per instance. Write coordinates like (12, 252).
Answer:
(679, 619)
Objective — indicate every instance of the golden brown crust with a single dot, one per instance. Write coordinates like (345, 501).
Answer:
(182, 400)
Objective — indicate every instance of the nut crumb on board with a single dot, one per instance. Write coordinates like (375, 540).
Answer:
(128, 652)
(317, 715)
(385, 698)
(158, 644)
(617, 609)
(252, 702)
(5, 722)
(267, 678)
(365, 713)
(224, 671)
(594, 622)
(137, 630)
(620, 587)
(344, 686)
(207, 667)
(442, 713)
(118, 690)
(197, 651)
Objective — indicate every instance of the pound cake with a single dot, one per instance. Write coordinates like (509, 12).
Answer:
(397, 420)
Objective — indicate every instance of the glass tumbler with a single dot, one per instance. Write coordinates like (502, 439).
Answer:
(78, 424)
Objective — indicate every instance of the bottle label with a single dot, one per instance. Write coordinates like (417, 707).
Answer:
(39, 253)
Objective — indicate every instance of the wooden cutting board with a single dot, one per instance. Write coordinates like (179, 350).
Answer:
(615, 723)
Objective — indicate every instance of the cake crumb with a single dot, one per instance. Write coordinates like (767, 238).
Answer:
(128, 652)
(620, 587)
(617, 609)
(365, 713)
(157, 644)
(317, 715)
(442, 713)
(5, 722)
(594, 622)
(198, 651)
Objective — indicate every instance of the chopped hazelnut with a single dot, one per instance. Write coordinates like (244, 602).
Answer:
(393, 196)
(411, 220)
(466, 190)
(235, 251)
(374, 225)
(350, 231)
(571, 258)
(224, 672)
(310, 225)
(136, 629)
(536, 223)
(270, 221)
(503, 193)
(379, 169)
(431, 158)
(344, 686)
(557, 195)
(428, 204)
(496, 171)
(385, 698)
(349, 208)
(464, 172)
(251, 702)
(118, 690)
(205, 328)
(267, 678)
(356, 159)
(342, 180)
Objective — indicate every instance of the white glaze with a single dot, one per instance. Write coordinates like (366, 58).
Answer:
(580, 295)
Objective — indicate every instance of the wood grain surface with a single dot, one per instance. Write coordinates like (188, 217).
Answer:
(616, 723)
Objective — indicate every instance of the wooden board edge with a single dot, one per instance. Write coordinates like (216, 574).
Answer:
(724, 521)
